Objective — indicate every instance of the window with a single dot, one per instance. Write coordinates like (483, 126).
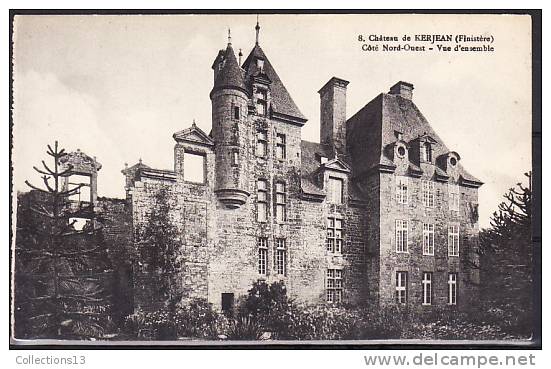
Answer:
(261, 143)
(194, 167)
(401, 151)
(281, 256)
(260, 64)
(262, 255)
(334, 235)
(280, 202)
(453, 240)
(401, 190)
(335, 190)
(280, 146)
(227, 303)
(428, 193)
(426, 154)
(236, 113)
(401, 236)
(334, 285)
(261, 101)
(453, 190)
(234, 158)
(401, 287)
(262, 200)
(79, 223)
(427, 288)
(82, 193)
(452, 289)
(428, 239)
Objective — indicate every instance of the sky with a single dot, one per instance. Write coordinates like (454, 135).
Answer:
(118, 87)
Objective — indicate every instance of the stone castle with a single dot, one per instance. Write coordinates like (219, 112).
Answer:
(379, 212)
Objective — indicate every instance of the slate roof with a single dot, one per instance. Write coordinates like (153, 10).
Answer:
(372, 129)
(282, 102)
(231, 74)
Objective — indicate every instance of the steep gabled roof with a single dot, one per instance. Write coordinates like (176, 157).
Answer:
(282, 103)
(372, 129)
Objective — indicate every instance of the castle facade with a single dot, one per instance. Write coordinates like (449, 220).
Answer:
(379, 212)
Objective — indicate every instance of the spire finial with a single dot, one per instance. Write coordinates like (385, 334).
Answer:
(240, 55)
(229, 37)
(257, 28)
(193, 124)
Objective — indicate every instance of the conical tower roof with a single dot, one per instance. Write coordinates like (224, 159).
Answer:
(231, 75)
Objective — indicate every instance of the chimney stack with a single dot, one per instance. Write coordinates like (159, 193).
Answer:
(333, 115)
(404, 89)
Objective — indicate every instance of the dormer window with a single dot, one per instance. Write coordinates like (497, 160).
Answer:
(426, 152)
(261, 101)
(400, 149)
(335, 190)
(260, 64)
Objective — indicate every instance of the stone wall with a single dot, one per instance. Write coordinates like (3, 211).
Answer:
(414, 262)
(117, 232)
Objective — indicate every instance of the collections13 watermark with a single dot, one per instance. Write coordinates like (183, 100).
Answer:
(50, 360)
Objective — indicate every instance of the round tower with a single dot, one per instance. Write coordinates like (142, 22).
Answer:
(229, 98)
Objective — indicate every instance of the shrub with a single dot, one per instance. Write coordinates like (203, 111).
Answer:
(196, 319)
(389, 322)
(269, 306)
(155, 325)
(244, 327)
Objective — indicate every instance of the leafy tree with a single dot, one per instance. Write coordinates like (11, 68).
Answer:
(61, 273)
(158, 246)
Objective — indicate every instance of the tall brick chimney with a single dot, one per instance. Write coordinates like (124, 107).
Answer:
(404, 89)
(333, 115)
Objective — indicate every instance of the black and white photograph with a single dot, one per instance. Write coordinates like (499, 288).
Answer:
(263, 178)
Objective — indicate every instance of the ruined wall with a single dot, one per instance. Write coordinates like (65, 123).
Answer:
(190, 213)
(117, 232)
